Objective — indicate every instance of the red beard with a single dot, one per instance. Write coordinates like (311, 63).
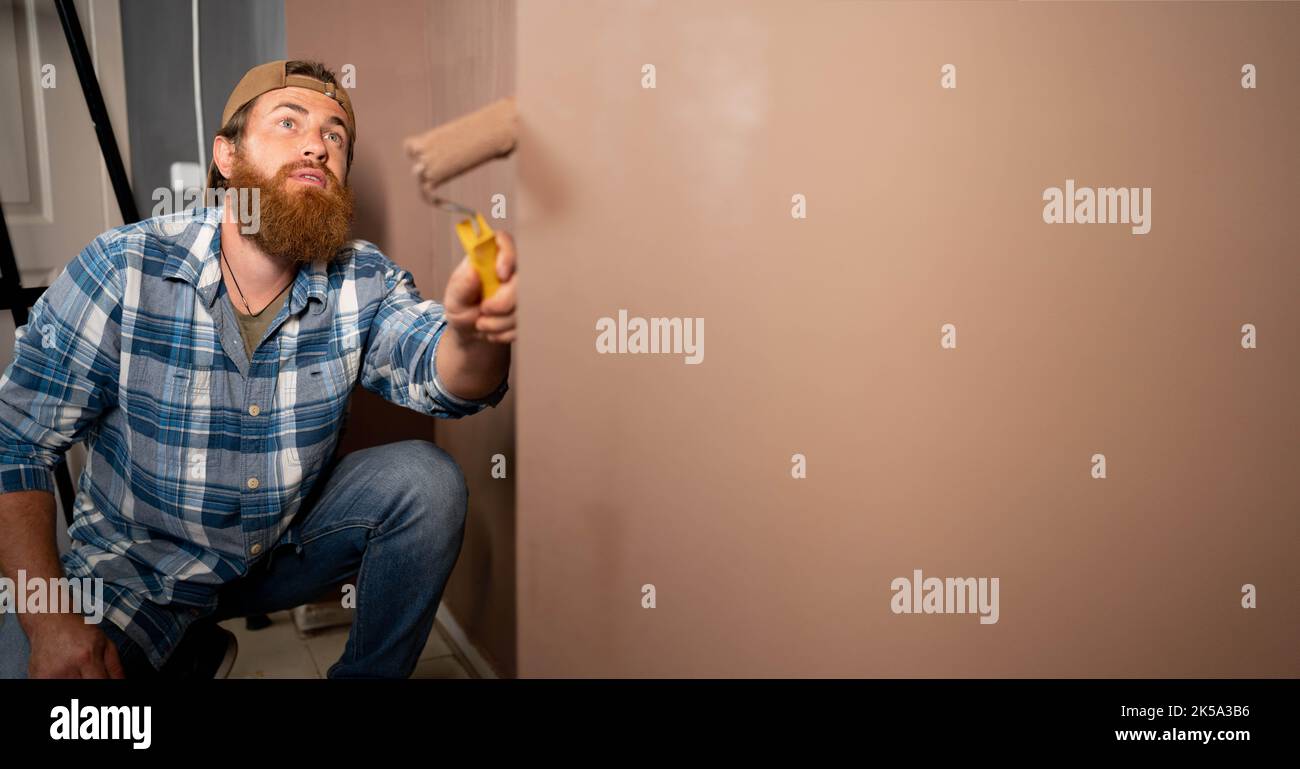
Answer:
(300, 223)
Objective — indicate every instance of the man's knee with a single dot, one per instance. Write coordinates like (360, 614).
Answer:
(432, 477)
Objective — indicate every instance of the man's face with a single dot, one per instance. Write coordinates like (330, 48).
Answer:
(294, 149)
(297, 126)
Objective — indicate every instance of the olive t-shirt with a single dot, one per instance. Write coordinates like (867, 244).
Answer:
(251, 327)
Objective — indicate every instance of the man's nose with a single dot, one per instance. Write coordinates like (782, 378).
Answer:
(314, 147)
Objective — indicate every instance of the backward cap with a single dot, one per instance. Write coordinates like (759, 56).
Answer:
(272, 75)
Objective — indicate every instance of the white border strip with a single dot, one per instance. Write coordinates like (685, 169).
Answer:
(463, 646)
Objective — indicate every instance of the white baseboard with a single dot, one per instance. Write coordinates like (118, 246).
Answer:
(462, 643)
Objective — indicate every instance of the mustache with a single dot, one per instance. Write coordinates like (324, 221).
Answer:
(288, 169)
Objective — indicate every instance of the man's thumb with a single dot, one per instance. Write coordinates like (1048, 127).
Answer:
(463, 287)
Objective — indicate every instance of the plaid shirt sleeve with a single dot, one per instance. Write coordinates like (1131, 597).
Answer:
(65, 368)
(400, 362)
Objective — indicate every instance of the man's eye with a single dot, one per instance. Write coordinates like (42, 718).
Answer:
(286, 120)
(337, 139)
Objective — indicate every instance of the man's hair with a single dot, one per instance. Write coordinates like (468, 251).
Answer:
(233, 130)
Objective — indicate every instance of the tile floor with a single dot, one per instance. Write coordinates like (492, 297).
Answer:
(279, 652)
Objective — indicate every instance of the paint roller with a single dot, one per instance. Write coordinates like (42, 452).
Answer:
(451, 149)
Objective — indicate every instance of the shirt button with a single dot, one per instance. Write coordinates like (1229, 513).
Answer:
(252, 483)
(254, 409)
(255, 549)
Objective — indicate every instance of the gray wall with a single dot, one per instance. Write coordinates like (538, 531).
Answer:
(234, 35)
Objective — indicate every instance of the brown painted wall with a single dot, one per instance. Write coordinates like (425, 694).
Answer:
(823, 338)
(419, 64)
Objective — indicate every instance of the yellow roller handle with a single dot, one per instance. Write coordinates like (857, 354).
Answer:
(481, 247)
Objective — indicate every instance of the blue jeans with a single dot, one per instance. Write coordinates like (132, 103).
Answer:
(390, 520)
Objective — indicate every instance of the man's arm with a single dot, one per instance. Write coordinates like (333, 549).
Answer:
(404, 360)
(471, 368)
(63, 376)
(62, 645)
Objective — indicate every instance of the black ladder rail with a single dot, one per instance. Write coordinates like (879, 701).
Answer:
(98, 111)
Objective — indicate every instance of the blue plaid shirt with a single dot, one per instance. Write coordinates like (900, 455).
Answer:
(198, 457)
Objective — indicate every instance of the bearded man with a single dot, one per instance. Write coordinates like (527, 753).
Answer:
(207, 369)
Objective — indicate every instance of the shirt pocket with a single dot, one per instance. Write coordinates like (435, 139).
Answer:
(328, 376)
(196, 383)
(317, 396)
(188, 402)
(188, 398)
(314, 382)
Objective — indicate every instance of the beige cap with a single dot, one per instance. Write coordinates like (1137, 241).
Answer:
(269, 77)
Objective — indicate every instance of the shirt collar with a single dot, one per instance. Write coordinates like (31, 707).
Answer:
(195, 257)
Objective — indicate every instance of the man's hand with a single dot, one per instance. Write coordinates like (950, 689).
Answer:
(64, 646)
(491, 320)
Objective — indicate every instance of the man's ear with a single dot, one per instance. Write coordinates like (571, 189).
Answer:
(223, 154)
